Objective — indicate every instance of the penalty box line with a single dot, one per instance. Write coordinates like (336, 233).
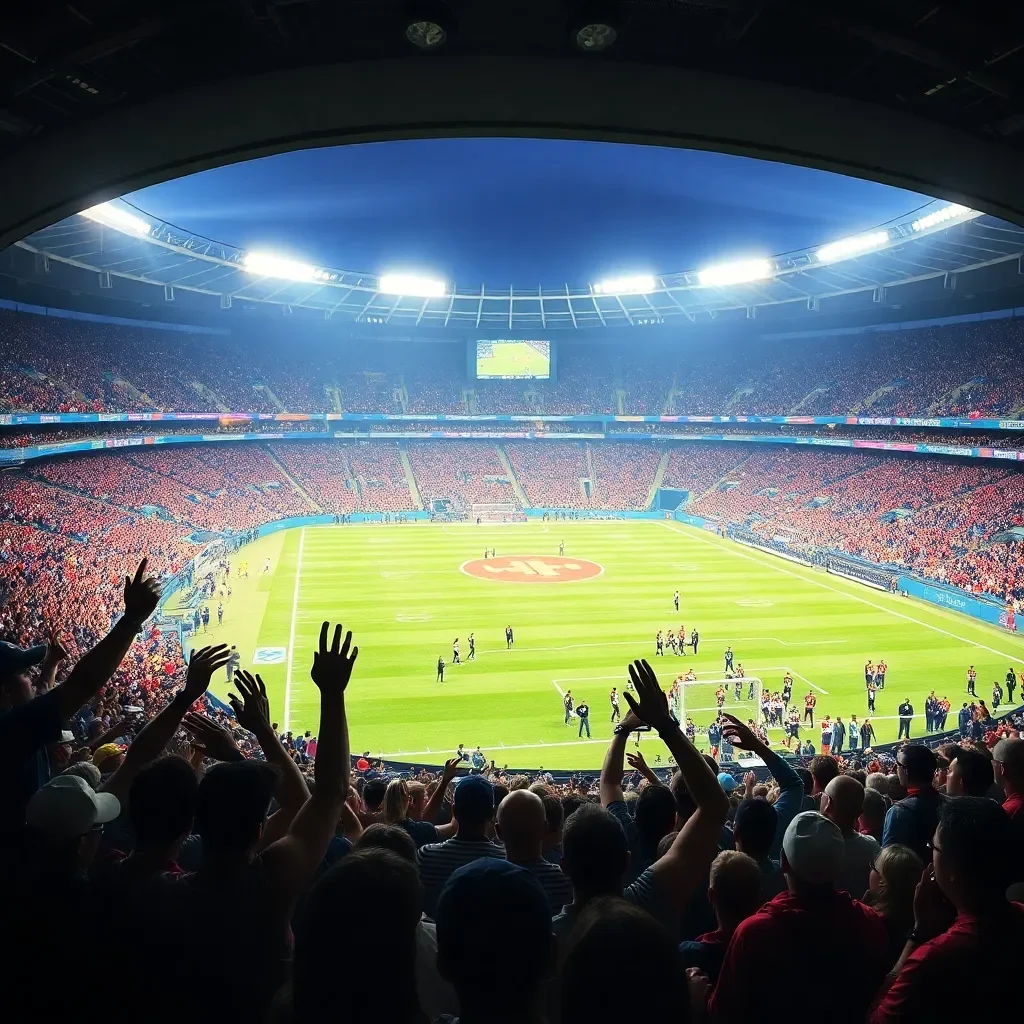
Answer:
(763, 668)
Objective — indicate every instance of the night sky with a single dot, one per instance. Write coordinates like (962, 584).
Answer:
(523, 212)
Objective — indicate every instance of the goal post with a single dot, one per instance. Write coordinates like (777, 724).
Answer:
(698, 699)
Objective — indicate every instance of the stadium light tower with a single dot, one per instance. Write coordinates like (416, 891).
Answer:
(118, 218)
(943, 215)
(739, 272)
(412, 285)
(636, 284)
(266, 264)
(854, 245)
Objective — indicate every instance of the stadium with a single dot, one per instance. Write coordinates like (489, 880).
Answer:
(707, 544)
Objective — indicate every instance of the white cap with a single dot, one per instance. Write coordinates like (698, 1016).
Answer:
(67, 807)
(814, 848)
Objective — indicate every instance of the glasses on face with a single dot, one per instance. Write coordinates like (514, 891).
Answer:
(931, 847)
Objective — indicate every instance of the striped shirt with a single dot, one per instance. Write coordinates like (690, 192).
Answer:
(438, 861)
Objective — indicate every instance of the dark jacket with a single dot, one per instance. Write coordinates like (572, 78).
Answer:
(912, 821)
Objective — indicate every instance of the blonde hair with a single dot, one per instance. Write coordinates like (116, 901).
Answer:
(396, 801)
(899, 870)
(519, 782)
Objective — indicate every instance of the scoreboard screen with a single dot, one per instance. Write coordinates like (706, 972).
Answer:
(513, 360)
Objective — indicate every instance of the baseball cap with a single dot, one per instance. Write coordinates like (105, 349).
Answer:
(814, 848)
(727, 781)
(14, 659)
(103, 752)
(67, 807)
(474, 798)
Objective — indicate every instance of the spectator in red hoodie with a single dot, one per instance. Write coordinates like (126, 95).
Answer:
(794, 927)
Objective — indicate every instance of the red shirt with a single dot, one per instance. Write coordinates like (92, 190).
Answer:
(1014, 805)
(791, 934)
(940, 978)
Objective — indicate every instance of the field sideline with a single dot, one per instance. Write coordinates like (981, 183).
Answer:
(404, 593)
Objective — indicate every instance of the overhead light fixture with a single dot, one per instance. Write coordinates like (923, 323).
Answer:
(854, 245)
(735, 273)
(595, 27)
(412, 285)
(427, 24)
(639, 284)
(266, 264)
(944, 214)
(118, 218)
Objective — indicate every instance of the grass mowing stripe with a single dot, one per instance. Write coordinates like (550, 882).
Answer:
(291, 633)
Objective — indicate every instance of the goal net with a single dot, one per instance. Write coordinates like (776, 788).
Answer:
(699, 699)
(495, 512)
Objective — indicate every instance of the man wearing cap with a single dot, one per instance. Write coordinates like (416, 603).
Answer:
(473, 809)
(727, 781)
(34, 722)
(790, 928)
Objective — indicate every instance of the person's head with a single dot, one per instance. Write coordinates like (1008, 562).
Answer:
(655, 815)
(65, 819)
(1008, 764)
(521, 826)
(396, 801)
(234, 798)
(373, 794)
(872, 815)
(417, 799)
(970, 852)
(842, 802)
(824, 768)
(610, 931)
(380, 836)
(916, 766)
(685, 804)
(493, 899)
(85, 770)
(15, 679)
(734, 889)
(108, 758)
(372, 899)
(553, 818)
(595, 854)
(970, 774)
(813, 851)
(473, 805)
(162, 804)
(807, 779)
(893, 879)
(754, 828)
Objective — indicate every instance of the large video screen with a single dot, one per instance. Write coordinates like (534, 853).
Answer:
(513, 360)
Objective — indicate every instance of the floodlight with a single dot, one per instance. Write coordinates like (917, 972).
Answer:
(427, 23)
(412, 285)
(118, 218)
(266, 264)
(946, 213)
(735, 273)
(596, 37)
(854, 245)
(595, 26)
(639, 284)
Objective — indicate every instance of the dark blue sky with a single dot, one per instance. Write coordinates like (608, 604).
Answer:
(520, 211)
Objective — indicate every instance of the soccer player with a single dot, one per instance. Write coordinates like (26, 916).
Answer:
(690, 676)
(1011, 683)
(809, 703)
(206, 618)
(266, 565)
(659, 644)
(787, 689)
(728, 659)
(508, 637)
(234, 660)
(906, 715)
(997, 695)
(675, 600)
(561, 547)
(440, 669)
(583, 713)
(694, 638)
(567, 704)
(220, 613)
(720, 697)
(869, 673)
(972, 678)
(672, 642)
(750, 686)
(872, 690)
(880, 669)
(614, 698)
(691, 730)
(737, 688)
(455, 652)
(472, 648)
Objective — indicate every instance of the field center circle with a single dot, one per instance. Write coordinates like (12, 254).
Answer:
(532, 569)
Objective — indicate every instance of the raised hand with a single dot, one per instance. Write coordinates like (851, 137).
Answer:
(630, 723)
(332, 666)
(650, 704)
(55, 652)
(141, 595)
(738, 734)
(201, 667)
(636, 761)
(451, 769)
(213, 738)
(253, 710)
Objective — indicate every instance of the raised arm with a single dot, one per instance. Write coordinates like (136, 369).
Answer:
(433, 806)
(637, 762)
(677, 874)
(158, 731)
(55, 654)
(293, 859)
(611, 770)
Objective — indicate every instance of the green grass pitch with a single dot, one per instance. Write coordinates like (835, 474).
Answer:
(400, 589)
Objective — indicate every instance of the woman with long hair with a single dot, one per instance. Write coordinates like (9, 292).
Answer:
(396, 802)
(891, 884)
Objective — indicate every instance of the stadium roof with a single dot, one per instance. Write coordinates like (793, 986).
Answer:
(927, 249)
(103, 96)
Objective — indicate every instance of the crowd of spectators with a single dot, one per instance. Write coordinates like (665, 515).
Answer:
(467, 472)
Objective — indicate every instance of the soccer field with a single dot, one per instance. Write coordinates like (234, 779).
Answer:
(406, 592)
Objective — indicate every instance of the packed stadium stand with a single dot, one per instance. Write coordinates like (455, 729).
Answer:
(466, 472)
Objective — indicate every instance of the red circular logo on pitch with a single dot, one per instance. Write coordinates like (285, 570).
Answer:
(532, 569)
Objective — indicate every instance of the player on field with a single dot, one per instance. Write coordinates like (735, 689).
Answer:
(972, 678)
(690, 676)
(737, 689)
(869, 673)
(266, 565)
(720, 697)
(880, 669)
(672, 642)
(472, 649)
(675, 600)
(659, 644)
(440, 669)
(567, 704)
(583, 713)
(561, 547)
(614, 698)
(809, 703)
(728, 659)
(508, 636)
(787, 689)
(691, 730)
(872, 690)
(694, 638)
(455, 652)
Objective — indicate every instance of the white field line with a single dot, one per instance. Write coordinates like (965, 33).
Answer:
(291, 634)
(768, 563)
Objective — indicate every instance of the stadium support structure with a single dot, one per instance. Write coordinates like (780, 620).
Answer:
(697, 699)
